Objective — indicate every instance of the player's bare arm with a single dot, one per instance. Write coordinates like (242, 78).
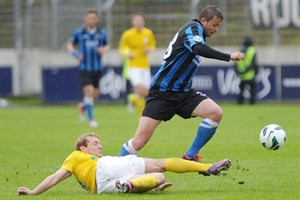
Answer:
(49, 182)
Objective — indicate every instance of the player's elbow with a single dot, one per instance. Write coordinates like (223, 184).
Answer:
(160, 178)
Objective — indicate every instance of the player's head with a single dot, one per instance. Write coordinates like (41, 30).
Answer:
(248, 41)
(211, 19)
(138, 20)
(89, 143)
(91, 18)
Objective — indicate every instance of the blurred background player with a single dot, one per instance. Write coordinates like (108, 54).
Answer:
(247, 70)
(135, 45)
(88, 44)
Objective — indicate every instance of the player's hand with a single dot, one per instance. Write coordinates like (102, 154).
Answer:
(236, 56)
(146, 50)
(101, 51)
(77, 55)
(24, 191)
(131, 56)
(80, 57)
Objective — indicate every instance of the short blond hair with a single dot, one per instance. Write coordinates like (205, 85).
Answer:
(83, 140)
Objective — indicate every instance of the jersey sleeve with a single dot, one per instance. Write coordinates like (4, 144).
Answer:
(152, 41)
(123, 48)
(104, 38)
(193, 36)
(69, 163)
(75, 37)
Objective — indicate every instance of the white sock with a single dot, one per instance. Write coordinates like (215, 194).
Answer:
(130, 149)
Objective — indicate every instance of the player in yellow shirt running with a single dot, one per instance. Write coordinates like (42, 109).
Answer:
(110, 174)
(135, 45)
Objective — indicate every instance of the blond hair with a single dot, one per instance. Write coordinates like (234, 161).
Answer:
(83, 140)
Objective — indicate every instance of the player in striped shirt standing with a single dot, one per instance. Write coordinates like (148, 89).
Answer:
(88, 44)
(171, 92)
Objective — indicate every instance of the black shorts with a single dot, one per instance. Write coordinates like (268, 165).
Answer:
(164, 105)
(90, 78)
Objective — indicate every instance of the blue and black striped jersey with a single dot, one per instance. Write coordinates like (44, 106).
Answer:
(88, 43)
(179, 62)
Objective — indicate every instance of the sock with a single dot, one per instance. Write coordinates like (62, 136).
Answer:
(144, 183)
(128, 149)
(140, 104)
(179, 165)
(138, 101)
(205, 132)
(88, 105)
(129, 98)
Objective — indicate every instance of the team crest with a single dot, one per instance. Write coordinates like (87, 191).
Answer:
(146, 40)
(197, 38)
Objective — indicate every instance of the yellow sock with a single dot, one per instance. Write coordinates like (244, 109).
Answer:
(179, 165)
(130, 98)
(138, 101)
(140, 104)
(144, 183)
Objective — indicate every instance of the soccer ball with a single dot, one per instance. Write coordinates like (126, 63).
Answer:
(272, 137)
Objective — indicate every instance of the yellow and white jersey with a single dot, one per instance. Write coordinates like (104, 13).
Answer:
(135, 41)
(83, 166)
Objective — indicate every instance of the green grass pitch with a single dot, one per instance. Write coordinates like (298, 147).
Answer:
(36, 139)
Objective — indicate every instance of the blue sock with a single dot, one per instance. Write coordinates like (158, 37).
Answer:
(124, 151)
(88, 105)
(127, 149)
(90, 112)
(205, 132)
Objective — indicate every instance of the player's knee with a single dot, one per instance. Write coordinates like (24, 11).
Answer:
(160, 177)
(217, 114)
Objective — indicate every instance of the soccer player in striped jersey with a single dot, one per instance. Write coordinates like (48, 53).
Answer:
(88, 44)
(170, 91)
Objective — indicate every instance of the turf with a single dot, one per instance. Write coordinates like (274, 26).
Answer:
(36, 139)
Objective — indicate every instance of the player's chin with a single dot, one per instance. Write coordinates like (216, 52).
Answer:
(210, 34)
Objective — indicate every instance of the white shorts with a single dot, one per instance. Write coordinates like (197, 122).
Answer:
(112, 168)
(139, 76)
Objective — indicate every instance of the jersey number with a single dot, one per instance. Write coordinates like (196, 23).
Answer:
(170, 47)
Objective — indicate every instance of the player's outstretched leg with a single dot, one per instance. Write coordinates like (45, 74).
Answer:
(178, 165)
(217, 167)
(205, 132)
